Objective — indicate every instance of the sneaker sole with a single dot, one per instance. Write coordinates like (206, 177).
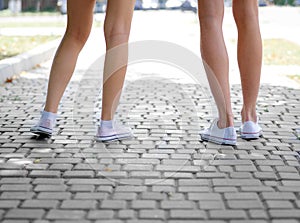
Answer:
(218, 140)
(251, 135)
(41, 132)
(112, 138)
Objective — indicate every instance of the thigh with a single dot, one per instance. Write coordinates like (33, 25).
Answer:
(244, 9)
(120, 9)
(211, 9)
(80, 16)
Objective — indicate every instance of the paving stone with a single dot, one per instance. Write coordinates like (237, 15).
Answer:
(48, 181)
(47, 204)
(273, 204)
(9, 204)
(187, 214)
(124, 196)
(126, 214)
(90, 196)
(55, 214)
(79, 174)
(236, 182)
(44, 173)
(15, 221)
(279, 213)
(244, 204)
(152, 214)
(54, 195)
(204, 196)
(146, 204)
(53, 187)
(131, 188)
(278, 196)
(113, 204)
(227, 214)
(258, 214)
(211, 205)
(177, 205)
(15, 180)
(94, 181)
(25, 213)
(100, 214)
(82, 188)
(13, 173)
(79, 204)
(15, 187)
(241, 196)
(153, 196)
(17, 195)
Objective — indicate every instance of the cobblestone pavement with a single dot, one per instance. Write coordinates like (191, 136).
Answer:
(164, 174)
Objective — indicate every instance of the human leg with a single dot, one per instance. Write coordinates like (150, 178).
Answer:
(116, 30)
(79, 24)
(214, 54)
(215, 60)
(250, 61)
(249, 54)
(80, 19)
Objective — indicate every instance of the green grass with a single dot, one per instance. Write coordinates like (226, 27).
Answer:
(14, 45)
(281, 52)
(295, 78)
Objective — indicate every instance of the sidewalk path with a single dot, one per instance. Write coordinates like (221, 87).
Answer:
(165, 173)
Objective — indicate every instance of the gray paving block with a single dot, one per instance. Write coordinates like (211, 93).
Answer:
(100, 214)
(79, 204)
(227, 214)
(17, 195)
(244, 204)
(177, 205)
(56, 214)
(143, 204)
(279, 213)
(54, 195)
(15, 187)
(187, 214)
(126, 214)
(113, 204)
(51, 187)
(9, 204)
(46, 204)
(25, 213)
(152, 214)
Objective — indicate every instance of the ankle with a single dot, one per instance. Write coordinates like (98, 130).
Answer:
(106, 123)
(249, 115)
(226, 121)
(49, 115)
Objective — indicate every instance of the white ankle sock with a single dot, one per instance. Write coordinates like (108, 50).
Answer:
(106, 123)
(47, 117)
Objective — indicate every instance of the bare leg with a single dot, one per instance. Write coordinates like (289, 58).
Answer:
(249, 54)
(215, 55)
(80, 18)
(116, 29)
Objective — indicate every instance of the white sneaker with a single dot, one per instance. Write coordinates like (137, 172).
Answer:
(250, 130)
(225, 136)
(105, 134)
(44, 127)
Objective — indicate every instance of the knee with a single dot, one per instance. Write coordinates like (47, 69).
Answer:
(78, 35)
(210, 22)
(245, 16)
(113, 29)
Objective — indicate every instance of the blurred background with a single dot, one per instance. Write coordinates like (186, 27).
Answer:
(25, 24)
(17, 6)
